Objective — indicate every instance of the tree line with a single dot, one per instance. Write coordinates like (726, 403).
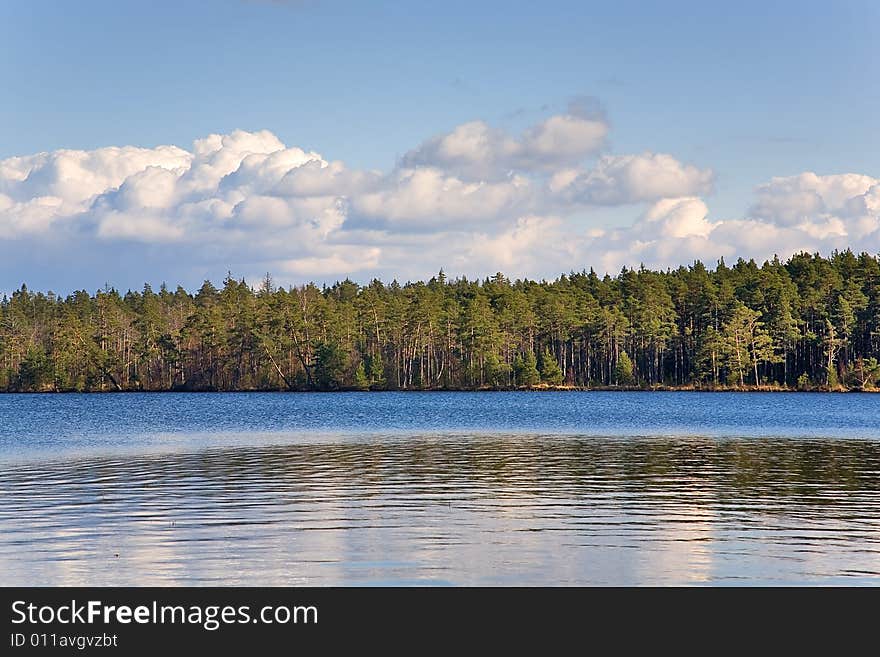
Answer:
(808, 323)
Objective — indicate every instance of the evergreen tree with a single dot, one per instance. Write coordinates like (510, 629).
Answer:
(361, 382)
(329, 366)
(623, 371)
(831, 377)
(866, 373)
(35, 371)
(497, 371)
(551, 373)
(525, 369)
(377, 371)
(745, 343)
(809, 321)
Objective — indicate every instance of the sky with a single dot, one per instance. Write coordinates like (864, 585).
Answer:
(323, 139)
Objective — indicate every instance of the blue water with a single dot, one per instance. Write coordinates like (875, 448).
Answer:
(53, 423)
(440, 488)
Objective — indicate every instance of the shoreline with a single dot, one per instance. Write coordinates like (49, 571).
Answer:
(544, 388)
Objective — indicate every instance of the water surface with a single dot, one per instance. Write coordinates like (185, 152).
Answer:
(437, 488)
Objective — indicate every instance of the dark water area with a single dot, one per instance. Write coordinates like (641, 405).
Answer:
(558, 488)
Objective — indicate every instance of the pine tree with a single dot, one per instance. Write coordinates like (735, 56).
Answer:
(361, 381)
(623, 371)
(525, 370)
(867, 373)
(745, 343)
(551, 373)
(329, 366)
(810, 321)
(377, 371)
(831, 377)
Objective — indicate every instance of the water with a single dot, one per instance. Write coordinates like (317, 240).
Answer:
(437, 489)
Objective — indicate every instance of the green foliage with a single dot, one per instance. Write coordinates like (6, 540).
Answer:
(866, 373)
(330, 363)
(497, 372)
(525, 370)
(377, 371)
(831, 377)
(551, 373)
(745, 344)
(740, 325)
(35, 371)
(623, 371)
(361, 382)
(803, 382)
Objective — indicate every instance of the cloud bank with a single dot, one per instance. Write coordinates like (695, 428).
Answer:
(474, 200)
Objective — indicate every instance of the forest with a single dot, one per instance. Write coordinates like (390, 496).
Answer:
(809, 323)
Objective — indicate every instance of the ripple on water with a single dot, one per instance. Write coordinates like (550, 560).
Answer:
(433, 509)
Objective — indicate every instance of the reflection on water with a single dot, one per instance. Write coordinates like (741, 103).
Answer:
(430, 509)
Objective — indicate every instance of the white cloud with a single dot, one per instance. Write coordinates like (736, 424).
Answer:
(865, 204)
(261, 172)
(217, 156)
(342, 261)
(528, 245)
(40, 189)
(319, 178)
(77, 176)
(561, 139)
(475, 151)
(146, 228)
(33, 216)
(473, 201)
(619, 179)
(833, 211)
(429, 198)
(153, 187)
(796, 199)
(680, 217)
(675, 231)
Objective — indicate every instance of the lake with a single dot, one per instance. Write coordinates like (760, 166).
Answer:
(519, 488)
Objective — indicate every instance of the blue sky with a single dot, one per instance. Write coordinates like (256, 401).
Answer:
(750, 90)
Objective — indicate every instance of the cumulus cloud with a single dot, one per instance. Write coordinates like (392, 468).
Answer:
(76, 176)
(680, 217)
(318, 178)
(342, 259)
(474, 200)
(674, 231)
(475, 151)
(430, 198)
(618, 179)
(527, 245)
(40, 189)
(809, 200)
(831, 211)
